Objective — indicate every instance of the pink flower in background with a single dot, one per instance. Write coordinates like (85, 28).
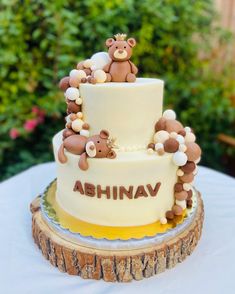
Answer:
(14, 133)
(40, 114)
(30, 125)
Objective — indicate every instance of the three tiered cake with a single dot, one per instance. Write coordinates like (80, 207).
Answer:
(123, 205)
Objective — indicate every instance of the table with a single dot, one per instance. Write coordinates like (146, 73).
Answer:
(23, 269)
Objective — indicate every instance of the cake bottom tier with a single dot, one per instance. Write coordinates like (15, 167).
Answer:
(110, 263)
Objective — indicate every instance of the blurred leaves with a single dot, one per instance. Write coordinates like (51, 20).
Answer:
(41, 41)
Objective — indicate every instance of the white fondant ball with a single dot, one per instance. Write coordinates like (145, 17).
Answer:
(99, 60)
(85, 133)
(100, 76)
(190, 137)
(72, 93)
(150, 151)
(180, 139)
(169, 114)
(87, 63)
(186, 186)
(67, 119)
(78, 101)
(180, 158)
(187, 129)
(161, 136)
(77, 125)
(159, 146)
(78, 74)
(163, 220)
(181, 203)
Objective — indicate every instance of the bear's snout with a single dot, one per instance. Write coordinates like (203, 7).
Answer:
(90, 149)
(120, 51)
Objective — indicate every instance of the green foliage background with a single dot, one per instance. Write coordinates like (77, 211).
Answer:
(41, 41)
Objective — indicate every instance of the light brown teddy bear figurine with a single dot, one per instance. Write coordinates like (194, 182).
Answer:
(98, 146)
(120, 69)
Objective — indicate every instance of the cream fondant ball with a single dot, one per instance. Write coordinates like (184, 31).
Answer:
(100, 76)
(187, 129)
(173, 135)
(182, 148)
(78, 101)
(186, 186)
(169, 114)
(150, 151)
(79, 115)
(159, 146)
(88, 63)
(161, 136)
(179, 173)
(163, 220)
(190, 137)
(77, 125)
(77, 73)
(72, 93)
(180, 158)
(99, 60)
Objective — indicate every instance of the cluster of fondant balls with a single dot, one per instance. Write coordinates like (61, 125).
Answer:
(89, 70)
(171, 137)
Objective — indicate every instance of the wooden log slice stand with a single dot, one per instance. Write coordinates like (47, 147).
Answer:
(114, 265)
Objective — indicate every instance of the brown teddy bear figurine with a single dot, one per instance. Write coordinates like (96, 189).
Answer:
(120, 69)
(97, 146)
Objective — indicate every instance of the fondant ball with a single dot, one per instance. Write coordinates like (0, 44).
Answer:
(180, 158)
(171, 145)
(189, 203)
(190, 137)
(85, 133)
(182, 147)
(182, 195)
(87, 63)
(72, 93)
(173, 126)
(78, 101)
(187, 187)
(150, 151)
(178, 187)
(193, 151)
(180, 139)
(99, 60)
(170, 214)
(160, 124)
(177, 210)
(163, 220)
(77, 125)
(79, 115)
(64, 83)
(181, 203)
(187, 129)
(151, 145)
(169, 114)
(78, 74)
(187, 178)
(189, 167)
(158, 146)
(100, 76)
(173, 135)
(161, 137)
(179, 173)
(74, 82)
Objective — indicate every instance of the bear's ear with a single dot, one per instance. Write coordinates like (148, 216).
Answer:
(131, 42)
(104, 134)
(111, 154)
(109, 42)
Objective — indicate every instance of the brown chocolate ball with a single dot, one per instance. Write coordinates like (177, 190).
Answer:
(151, 145)
(178, 187)
(171, 145)
(67, 133)
(182, 133)
(160, 124)
(189, 167)
(72, 107)
(190, 194)
(173, 126)
(64, 83)
(170, 214)
(189, 203)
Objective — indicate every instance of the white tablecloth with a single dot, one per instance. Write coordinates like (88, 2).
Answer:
(23, 269)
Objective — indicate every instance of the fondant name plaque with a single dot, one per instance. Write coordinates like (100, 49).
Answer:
(116, 192)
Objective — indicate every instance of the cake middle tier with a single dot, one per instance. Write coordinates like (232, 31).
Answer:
(133, 189)
(127, 110)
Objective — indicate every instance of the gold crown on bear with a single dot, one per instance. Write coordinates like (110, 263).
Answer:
(120, 37)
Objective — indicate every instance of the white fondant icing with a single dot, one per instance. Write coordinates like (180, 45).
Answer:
(128, 111)
(128, 168)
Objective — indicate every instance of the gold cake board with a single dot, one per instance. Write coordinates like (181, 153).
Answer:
(114, 265)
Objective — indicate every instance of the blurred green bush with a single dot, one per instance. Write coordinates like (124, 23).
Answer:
(41, 41)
